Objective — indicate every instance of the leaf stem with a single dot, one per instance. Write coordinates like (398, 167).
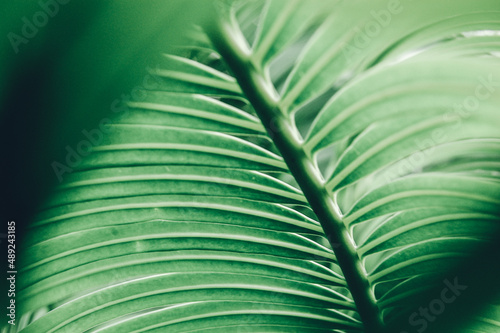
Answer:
(231, 44)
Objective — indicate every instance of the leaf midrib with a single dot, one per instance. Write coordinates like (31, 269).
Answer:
(231, 44)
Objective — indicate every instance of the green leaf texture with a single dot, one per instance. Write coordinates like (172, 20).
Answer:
(190, 216)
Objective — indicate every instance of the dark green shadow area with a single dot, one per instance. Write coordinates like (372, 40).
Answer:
(475, 284)
(64, 78)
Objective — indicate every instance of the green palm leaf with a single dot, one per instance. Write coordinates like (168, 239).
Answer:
(282, 177)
